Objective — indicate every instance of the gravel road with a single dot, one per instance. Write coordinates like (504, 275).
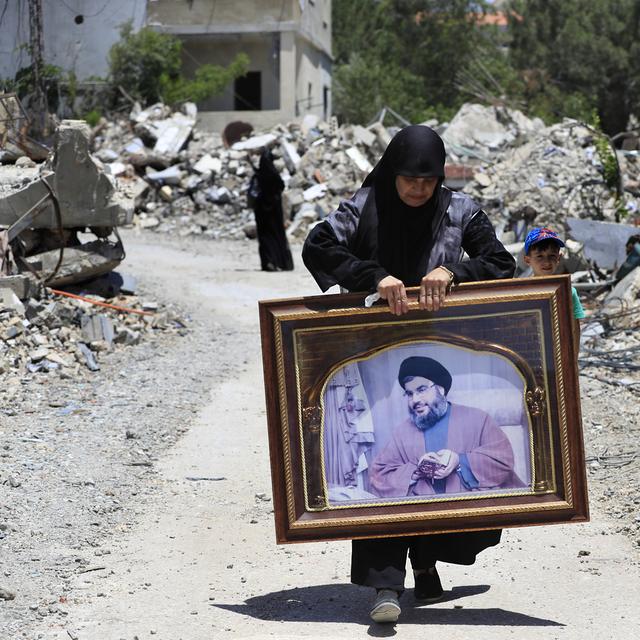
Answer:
(135, 501)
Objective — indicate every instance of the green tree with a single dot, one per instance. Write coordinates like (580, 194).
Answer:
(404, 54)
(147, 65)
(574, 55)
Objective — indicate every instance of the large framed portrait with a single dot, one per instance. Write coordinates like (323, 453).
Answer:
(463, 419)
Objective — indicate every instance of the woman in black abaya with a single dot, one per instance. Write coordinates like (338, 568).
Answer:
(273, 247)
(404, 228)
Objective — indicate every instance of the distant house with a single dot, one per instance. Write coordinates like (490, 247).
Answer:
(76, 34)
(288, 43)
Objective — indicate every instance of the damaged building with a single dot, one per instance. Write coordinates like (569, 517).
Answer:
(288, 43)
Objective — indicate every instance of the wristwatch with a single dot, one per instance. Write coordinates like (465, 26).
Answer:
(451, 275)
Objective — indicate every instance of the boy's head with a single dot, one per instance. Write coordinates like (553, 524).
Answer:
(542, 251)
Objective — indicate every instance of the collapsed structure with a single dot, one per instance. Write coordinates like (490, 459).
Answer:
(59, 222)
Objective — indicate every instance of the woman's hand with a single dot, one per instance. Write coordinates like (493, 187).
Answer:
(392, 290)
(434, 288)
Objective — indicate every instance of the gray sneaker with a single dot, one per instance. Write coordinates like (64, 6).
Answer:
(386, 607)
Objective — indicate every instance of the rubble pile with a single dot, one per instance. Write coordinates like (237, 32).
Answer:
(188, 182)
(556, 175)
(477, 130)
(63, 334)
(201, 189)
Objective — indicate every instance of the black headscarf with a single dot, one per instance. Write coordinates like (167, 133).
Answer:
(404, 231)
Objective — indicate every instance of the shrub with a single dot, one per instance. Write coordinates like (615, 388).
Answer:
(147, 66)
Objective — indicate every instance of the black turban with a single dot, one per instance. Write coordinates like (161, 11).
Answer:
(425, 368)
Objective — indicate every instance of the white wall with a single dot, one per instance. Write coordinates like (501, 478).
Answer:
(313, 67)
(219, 16)
(77, 34)
(314, 19)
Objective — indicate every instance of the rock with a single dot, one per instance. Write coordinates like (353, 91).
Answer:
(9, 300)
(254, 143)
(166, 193)
(359, 160)
(38, 354)
(364, 136)
(5, 594)
(482, 179)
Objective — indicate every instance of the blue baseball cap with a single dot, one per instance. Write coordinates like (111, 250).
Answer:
(538, 235)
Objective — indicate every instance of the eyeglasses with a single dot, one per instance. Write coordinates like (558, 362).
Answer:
(419, 391)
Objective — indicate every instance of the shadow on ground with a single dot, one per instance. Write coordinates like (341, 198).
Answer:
(346, 603)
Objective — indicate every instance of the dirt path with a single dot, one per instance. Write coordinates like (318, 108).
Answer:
(200, 563)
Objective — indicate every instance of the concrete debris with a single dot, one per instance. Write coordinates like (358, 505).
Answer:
(625, 297)
(5, 594)
(81, 263)
(20, 285)
(86, 193)
(10, 301)
(523, 173)
(63, 334)
(555, 176)
(604, 242)
(255, 143)
(200, 190)
(482, 129)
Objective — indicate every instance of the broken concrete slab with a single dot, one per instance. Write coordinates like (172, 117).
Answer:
(476, 126)
(85, 355)
(208, 164)
(172, 134)
(290, 155)
(364, 136)
(135, 146)
(96, 328)
(314, 192)
(309, 121)
(382, 135)
(171, 175)
(21, 285)
(604, 242)
(10, 301)
(86, 193)
(624, 296)
(254, 143)
(84, 262)
(359, 160)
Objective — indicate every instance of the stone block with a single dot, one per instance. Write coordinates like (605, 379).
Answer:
(20, 285)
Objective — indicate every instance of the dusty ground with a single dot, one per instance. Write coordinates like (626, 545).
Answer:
(136, 501)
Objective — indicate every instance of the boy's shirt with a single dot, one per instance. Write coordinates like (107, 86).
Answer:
(578, 309)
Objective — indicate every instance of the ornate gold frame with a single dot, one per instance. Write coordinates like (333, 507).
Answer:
(306, 340)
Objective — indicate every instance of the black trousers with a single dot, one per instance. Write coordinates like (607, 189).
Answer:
(381, 562)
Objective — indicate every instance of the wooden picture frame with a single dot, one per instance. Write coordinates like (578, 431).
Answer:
(333, 400)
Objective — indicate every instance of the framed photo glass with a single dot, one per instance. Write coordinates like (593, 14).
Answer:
(463, 419)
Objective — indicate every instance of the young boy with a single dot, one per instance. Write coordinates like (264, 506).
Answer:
(542, 254)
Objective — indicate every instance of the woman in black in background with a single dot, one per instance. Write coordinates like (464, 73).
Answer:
(404, 228)
(273, 247)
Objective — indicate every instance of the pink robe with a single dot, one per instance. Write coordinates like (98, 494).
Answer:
(471, 431)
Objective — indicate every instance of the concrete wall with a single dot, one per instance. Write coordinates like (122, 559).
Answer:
(313, 75)
(314, 20)
(77, 34)
(267, 118)
(220, 16)
(264, 54)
